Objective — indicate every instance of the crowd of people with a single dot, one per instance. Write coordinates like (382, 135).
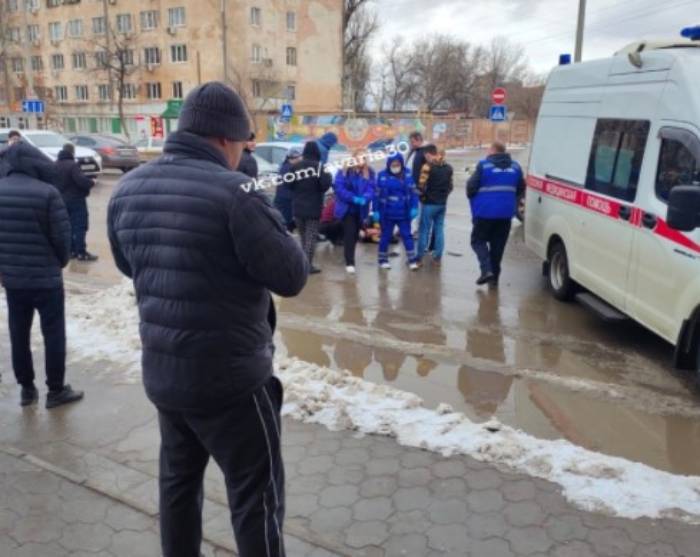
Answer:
(204, 254)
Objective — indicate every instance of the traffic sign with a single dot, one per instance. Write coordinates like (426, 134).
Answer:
(33, 106)
(498, 113)
(287, 112)
(498, 95)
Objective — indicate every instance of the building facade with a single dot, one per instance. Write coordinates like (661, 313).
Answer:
(89, 60)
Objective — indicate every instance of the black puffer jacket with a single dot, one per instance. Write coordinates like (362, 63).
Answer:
(72, 183)
(439, 184)
(248, 164)
(204, 255)
(310, 185)
(35, 232)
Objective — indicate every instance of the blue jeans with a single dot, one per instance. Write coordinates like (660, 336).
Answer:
(388, 226)
(432, 218)
(78, 213)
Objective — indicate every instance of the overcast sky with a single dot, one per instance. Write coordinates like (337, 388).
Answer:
(545, 28)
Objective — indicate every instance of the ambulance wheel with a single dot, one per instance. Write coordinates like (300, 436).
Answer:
(520, 209)
(560, 282)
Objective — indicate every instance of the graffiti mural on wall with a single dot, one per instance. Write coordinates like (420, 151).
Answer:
(352, 132)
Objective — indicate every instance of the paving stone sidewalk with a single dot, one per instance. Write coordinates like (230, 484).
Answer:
(347, 495)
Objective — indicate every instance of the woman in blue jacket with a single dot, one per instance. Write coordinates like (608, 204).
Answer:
(396, 204)
(354, 190)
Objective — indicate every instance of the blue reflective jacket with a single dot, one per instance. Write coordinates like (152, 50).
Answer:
(395, 196)
(494, 187)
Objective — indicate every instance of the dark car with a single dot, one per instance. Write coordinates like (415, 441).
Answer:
(115, 152)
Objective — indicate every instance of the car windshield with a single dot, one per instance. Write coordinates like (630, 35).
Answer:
(47, 139)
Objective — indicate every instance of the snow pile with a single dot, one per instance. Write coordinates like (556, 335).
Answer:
(104, 326)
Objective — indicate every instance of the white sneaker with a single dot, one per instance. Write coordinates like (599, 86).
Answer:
(350, 269)
(385, 265)
(413, 266)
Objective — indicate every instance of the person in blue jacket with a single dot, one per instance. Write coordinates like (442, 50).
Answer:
(326, 142)
(493, 191)
(396, 204)
(354, 191)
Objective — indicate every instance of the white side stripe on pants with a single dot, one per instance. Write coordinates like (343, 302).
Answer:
(272, 480)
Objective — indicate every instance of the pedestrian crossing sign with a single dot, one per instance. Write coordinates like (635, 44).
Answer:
(499, 113)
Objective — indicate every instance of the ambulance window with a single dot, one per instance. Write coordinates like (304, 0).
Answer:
(679, 164)
(616, 157)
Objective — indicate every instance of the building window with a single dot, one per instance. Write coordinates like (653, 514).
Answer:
(55, 31)
(126, 57)
(129, 91)
(103, 92)
(14, 35)
(99, 25)
(255, 16)
(60, 93)
(31, 5)
(75, 28)
(37, 64)
(291, 92)
(81, 92)
(178, 53)
(33, 33)
(79, 61)
(53, 3)
(291, 56)
(153, 90)
(17, 65)
(101, 59)
(20, 93)
(124, 23)
(151, 56)
(176, 17)
(11, 5)
(149, 20)
(679, 161)
(57, 62)
(291, 21)
(257, 88)
(177, 90)
(256, 55)
(616, 157)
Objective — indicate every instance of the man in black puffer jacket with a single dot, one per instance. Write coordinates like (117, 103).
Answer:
(34, 248)
(204, 252)
(75, 188)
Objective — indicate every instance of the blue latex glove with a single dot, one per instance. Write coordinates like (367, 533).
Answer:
(361, 201)
(375, 216)
(414, 213)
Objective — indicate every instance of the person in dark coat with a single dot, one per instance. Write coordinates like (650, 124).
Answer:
(434, 192)
(205, 252)
(493, 191)
(34, 248)
(248, 164)
(308, 189)
(75, 188)
(417, 154)
(283, 195)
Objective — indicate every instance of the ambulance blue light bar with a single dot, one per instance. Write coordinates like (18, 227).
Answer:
(564, 59)
(692, 33)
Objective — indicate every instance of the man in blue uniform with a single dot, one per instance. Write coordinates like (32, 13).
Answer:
(493, 190)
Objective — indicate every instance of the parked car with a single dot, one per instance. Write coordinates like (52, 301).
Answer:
(614, 189)
(276, 151)
(150, 148)
(115, 152)
(50, 143)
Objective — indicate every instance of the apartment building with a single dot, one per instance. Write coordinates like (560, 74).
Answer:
(82, 57)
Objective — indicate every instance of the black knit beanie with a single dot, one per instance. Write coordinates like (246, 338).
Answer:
(215, 110)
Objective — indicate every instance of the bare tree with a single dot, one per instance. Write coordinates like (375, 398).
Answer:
(360, 24)
(398, 81)
(5, 44)
(504, 64)
(526, 98)
(116, 56)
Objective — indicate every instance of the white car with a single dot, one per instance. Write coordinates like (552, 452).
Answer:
(276, 151)
(613, 201)
(50, 143)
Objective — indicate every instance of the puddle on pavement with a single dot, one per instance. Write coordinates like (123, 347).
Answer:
(546, 411)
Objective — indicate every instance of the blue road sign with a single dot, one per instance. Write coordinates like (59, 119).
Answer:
(33, 106)
(498, 113)
(287, 111)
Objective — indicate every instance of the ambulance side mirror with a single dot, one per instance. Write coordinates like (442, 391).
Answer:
(684, 208)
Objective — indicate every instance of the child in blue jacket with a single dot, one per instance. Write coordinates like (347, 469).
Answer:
(396, 204)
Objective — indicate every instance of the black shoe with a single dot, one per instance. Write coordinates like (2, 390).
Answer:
(65, 396)
(314, 270)
(29, 396)
(483, 279)
(87, 257)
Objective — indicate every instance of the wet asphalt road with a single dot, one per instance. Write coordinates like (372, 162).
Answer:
(551, 369)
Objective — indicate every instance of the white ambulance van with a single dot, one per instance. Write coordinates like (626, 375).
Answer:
(613, 201)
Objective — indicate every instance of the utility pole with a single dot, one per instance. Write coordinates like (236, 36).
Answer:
(579, 30)
(224, 39)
